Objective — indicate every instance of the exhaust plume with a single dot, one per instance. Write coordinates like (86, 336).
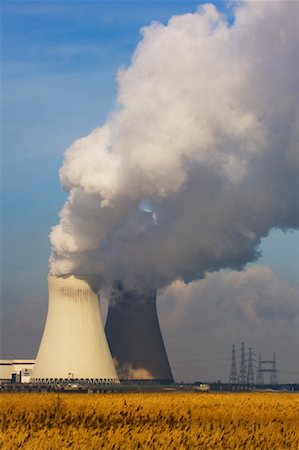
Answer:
(200, 159)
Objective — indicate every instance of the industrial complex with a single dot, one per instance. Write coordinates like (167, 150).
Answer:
(74, 349)
(75, 352)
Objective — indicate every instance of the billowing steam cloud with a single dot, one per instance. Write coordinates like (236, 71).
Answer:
(199, 161)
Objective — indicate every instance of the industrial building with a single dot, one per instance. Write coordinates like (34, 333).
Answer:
(16, 370)
(74, 345)
(134, 336)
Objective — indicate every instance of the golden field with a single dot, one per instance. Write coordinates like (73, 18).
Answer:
(149, 421)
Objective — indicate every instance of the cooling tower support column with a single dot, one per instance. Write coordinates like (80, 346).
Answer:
(74, 345)
(134, 336)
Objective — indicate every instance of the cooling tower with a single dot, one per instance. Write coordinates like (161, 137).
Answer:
(134, 336)
(74, 345)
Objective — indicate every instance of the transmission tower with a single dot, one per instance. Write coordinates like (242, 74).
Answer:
(250, 376)
(233, 379)
(273, 373)
(259, 375)
(242, 374)
(272, 370)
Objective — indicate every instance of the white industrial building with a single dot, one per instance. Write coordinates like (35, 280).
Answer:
(16, 370)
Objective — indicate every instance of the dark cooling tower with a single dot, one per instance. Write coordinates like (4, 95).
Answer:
(134, 336)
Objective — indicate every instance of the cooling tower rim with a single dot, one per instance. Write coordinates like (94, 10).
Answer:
(118, 286)
(93, 281)
(74, 275)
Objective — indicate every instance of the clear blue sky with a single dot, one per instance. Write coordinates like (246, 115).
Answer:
(59, 62)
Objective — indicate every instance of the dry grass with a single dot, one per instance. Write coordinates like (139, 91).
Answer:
(149, 421)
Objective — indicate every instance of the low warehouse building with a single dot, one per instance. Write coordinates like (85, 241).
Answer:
(16, 370)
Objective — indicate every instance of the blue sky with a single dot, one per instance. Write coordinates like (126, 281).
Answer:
(59, 63)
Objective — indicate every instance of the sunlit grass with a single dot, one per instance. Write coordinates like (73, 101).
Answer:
(164, 420)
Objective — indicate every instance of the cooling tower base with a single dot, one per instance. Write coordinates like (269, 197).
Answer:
(146, 382)
(77, 381)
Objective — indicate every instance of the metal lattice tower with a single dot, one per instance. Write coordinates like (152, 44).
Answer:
(233, 379)
(259, 375)
(250, 376)
(272, 370)
(273, 373)
(242, 374)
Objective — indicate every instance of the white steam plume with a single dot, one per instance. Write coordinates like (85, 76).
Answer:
(206, 136)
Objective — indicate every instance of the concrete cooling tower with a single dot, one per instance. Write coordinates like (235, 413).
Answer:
(134, 336)
(74, 345)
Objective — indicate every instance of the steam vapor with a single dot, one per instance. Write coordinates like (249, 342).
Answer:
(199, 160)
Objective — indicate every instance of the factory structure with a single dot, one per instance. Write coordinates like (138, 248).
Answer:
(74, 348)
(134, 336)
(74, 345)
(16, 370)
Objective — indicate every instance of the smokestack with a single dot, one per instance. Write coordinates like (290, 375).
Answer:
(134, 335)
(74, 345)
